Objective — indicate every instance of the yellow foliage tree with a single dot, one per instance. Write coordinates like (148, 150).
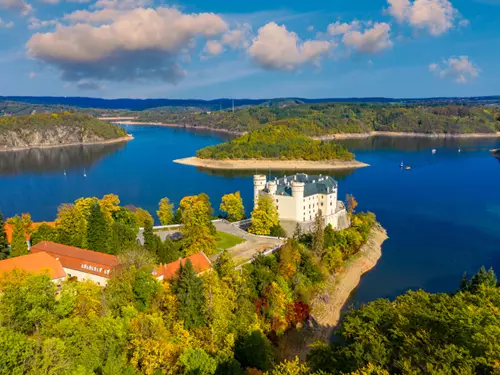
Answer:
(165, 211)
(232, 205)
(142, 217)
(264, 217)
(109, 203)
(197, 229)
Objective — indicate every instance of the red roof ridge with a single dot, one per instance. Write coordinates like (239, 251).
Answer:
(200, 263)
(35, 263)
(76, 253)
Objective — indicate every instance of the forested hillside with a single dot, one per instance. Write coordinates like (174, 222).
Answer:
(54, 129)
(333, 118)
(276, 142)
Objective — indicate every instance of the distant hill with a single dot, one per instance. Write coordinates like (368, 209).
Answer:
(223, 103)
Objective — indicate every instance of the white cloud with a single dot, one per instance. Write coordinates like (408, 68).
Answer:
(338, 28)
(460, 69)
(370, 40)
(213, 47)
(35, 23)
(276, 48)
(20, 6)
(32, 75)
(435, 16)
(140, 44)
(89, 85)
(6, 25)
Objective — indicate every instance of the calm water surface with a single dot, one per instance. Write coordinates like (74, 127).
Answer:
(442, 216)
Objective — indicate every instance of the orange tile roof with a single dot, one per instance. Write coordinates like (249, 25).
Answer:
(35, 263)
(74, 258)
(200, 264)
(9, 229)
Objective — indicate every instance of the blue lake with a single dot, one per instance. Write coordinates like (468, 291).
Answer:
(442, 216)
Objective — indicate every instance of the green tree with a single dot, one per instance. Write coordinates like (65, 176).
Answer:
(122, 237)
(150, 240)
(98, 233)
(43, 233)
(165, 211)
(144, 287)
(482, 278)
(198, 232)
(4, 244)
(232, 206)
(19, 244)
(318, 234)
(17, 352)
(255, 351)
(188, 288)
(142, 216)
(196, 361)
(168, 251)
(264, 216)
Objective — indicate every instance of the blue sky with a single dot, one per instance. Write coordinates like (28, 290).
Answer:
(257, 49)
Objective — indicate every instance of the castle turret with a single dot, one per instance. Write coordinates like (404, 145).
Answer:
(259, 184)
(272, 187)
(298, 195)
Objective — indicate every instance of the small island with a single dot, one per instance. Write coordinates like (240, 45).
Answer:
(274, 147)
(55, 130)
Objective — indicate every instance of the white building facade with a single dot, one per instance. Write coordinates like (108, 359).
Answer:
(298, 198)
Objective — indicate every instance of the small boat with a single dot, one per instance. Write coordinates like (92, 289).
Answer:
(84, 173)
(433, 151)
(459, 149)
(408, 168)
(65, 172)
(402, 165)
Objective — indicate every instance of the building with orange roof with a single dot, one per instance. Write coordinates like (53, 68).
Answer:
(9, 230)
(38, 263)
(200, 262)
(80, 263)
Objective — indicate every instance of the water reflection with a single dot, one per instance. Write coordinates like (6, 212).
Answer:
(337, 174)
(55, 159)
(419, 143)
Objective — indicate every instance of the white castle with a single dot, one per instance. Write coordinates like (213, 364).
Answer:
(298, 199)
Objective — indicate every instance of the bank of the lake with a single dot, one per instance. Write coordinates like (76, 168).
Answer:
(328, 303)
(271, 164)
(127, 138)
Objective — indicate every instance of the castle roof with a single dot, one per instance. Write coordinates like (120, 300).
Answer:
(313, 184)
(199, 261)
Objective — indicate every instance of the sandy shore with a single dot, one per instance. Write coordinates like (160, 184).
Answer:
(250, 164)
(129, 137)
(327, 305)
(332, 137)
(180, 126)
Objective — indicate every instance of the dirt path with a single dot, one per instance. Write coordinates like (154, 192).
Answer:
(327, 305)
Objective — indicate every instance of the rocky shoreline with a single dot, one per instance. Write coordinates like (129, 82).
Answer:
(127, 138)
(268, 164)
(327, 304)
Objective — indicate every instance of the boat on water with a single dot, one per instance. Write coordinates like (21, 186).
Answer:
(402, 165)
(495, 153)
(433, 150)
(408, 168)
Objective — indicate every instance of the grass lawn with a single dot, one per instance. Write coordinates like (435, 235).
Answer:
(226, 240)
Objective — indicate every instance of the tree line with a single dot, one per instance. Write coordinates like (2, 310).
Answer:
(276, 142)
(334, 118)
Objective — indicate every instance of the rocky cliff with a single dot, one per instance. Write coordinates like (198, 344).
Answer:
(55, 130)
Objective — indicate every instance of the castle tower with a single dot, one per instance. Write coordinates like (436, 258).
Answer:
(259, 184)
(272, 187)
(298, 196)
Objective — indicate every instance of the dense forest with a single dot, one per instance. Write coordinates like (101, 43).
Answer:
(333, 118)
(222, 322)
(55, 129)
(276, 142)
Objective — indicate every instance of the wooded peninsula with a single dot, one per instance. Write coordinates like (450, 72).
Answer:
(341, 118)
(56, 129)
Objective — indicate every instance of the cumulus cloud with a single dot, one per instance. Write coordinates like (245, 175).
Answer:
(20, 6)
(140, 44)
(89, 85)
(276, 48)
(213, 48)
(338, 28)
(6, 25)
(435, 16)
(371, 40)
(460, 69)
(35, 23)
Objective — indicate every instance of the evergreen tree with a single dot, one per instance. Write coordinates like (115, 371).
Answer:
(4, 244)
(481, 278)
(148, 234)
(98, 233)
(168, 252)
(19, 245)
(189, 290)
(318, 235)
